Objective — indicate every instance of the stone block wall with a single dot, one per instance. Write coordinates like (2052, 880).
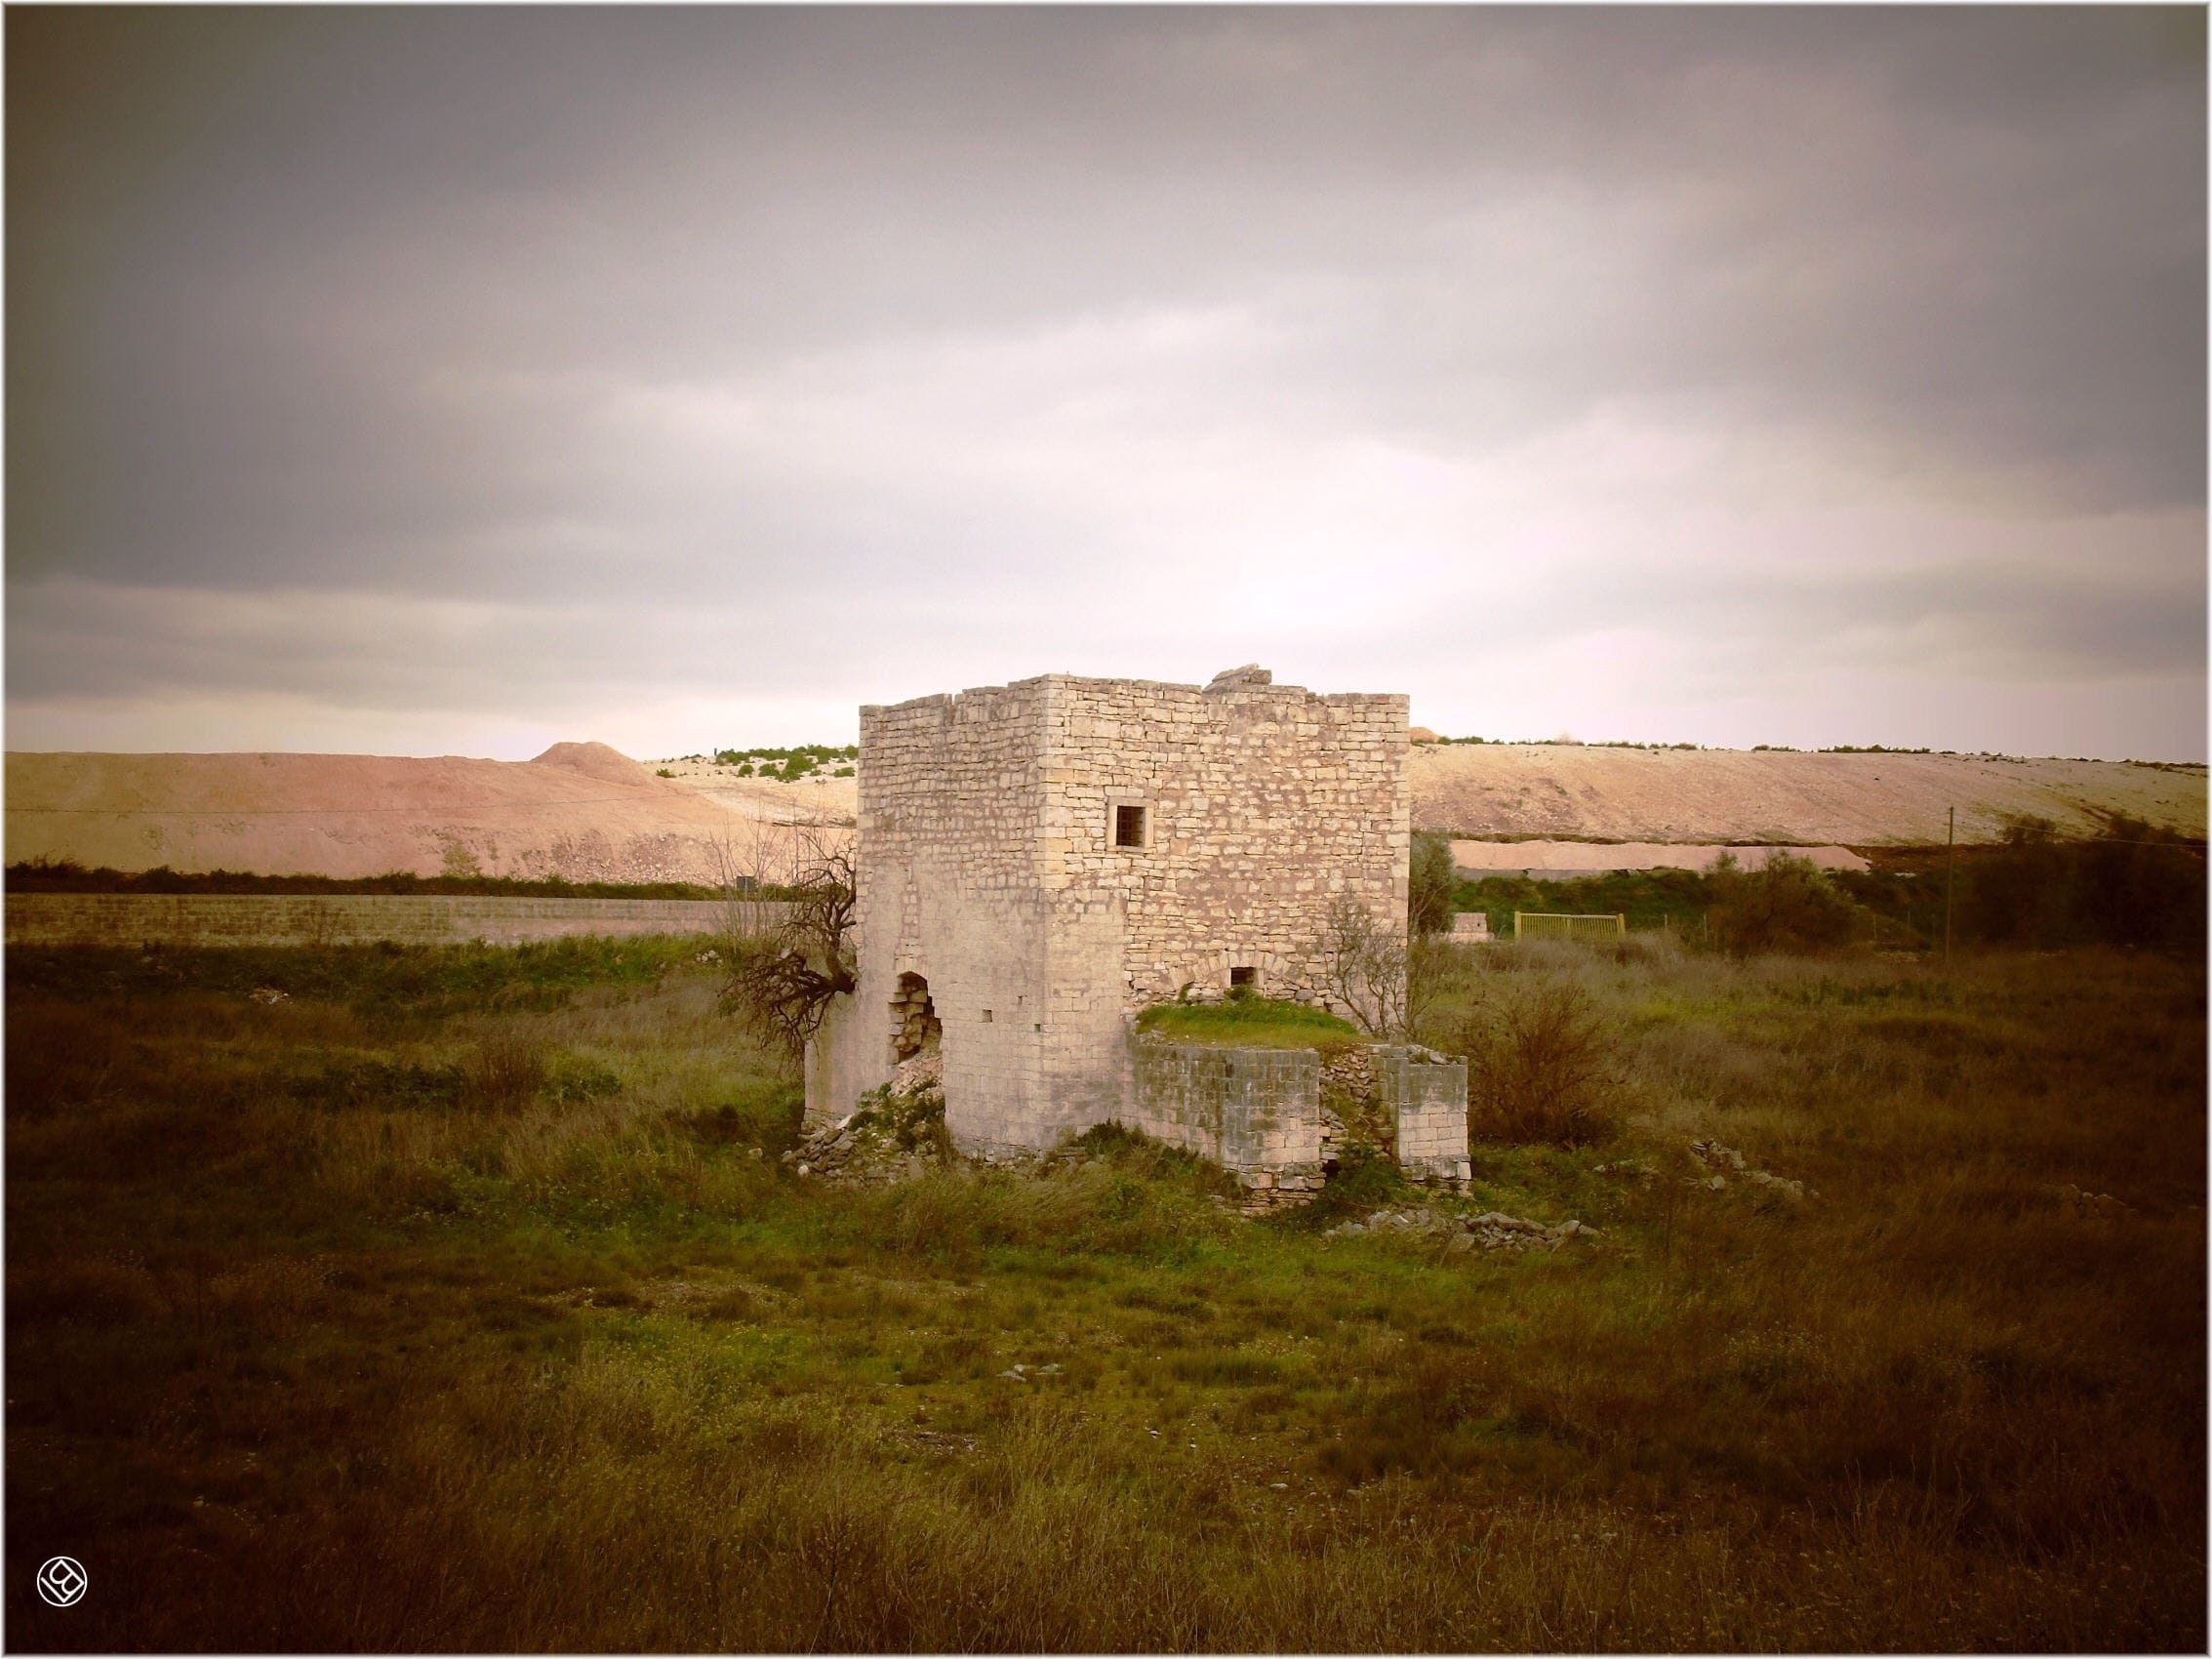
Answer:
(1254, 1110)
(1264, 805)
(946, 890)
(1427, 1097)
(986, 863)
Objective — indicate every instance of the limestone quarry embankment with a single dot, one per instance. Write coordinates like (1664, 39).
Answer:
(587, 813)
(580, 810)
(1564, 792)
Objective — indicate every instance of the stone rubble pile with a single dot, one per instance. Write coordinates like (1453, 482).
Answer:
(1726, 1160)
(895, 1134)
(1493, 1229)
(918, 1074)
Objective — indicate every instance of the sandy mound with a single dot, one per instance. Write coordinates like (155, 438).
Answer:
(597, 760)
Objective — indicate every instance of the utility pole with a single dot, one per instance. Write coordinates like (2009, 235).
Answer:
(1949, 869)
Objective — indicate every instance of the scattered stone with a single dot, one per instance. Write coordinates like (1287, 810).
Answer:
(1717, 1156)
(1712, 1154)
(1014, 1375)
(268, 996)
(1509, 1223)
(2100, 1204)
(1493, 1229)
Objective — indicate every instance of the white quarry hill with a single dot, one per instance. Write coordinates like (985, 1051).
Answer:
(583, 811)
(823, 798)
(1563, 791)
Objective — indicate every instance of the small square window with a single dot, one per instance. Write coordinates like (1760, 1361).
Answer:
(987, 1016)
(1244, 975)
(1128, 825)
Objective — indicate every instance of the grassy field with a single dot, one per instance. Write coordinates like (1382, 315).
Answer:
(458, 1301)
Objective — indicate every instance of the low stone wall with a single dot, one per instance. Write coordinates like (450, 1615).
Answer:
(353, 918)
(1254, 1110)
(1426, 1096)
(1259, 1112)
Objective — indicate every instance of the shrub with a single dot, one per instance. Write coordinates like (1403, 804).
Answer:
(504, 1073)
(1540, 1063)
(2134, 884)
(1428, 893)
(1788, 904)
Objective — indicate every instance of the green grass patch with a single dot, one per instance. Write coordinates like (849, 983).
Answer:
(1246, 1022)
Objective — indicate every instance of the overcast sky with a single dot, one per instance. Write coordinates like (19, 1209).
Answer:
(419, 382)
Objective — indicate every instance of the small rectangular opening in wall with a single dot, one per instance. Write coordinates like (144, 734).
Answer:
(987, 1016)
(1244, 975)
(1128, 825)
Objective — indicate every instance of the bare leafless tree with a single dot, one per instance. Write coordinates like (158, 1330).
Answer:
(784, 972)
(1365, 964)
(746, 876)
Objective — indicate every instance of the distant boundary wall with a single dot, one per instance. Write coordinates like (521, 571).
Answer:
(354, 918)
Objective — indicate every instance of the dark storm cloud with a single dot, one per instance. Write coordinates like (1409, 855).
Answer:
(941, 314)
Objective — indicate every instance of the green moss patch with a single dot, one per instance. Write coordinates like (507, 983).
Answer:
(1245, 1022)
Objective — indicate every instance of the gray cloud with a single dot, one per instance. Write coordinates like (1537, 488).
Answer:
(918, 343)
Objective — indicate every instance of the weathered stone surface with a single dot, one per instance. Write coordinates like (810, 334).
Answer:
(991, 869)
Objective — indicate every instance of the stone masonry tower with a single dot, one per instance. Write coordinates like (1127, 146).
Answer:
(1038, 861)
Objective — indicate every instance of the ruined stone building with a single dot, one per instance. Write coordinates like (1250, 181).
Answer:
(1036, 862)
